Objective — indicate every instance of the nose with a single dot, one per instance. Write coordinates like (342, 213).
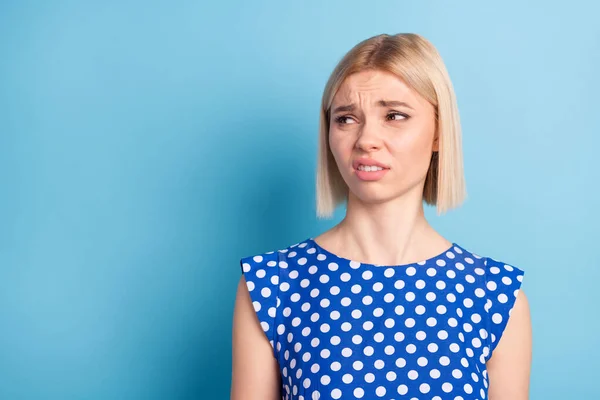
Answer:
(368, 138)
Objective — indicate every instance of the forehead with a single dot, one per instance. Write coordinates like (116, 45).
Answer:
(373, 85)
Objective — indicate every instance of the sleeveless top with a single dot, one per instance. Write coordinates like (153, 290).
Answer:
(344, 329)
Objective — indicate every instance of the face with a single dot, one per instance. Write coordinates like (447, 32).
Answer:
(377, 120)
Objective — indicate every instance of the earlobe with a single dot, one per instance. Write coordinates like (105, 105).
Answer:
(436, 144)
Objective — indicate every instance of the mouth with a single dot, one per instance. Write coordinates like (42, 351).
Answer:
(369, 170)
(367, 164)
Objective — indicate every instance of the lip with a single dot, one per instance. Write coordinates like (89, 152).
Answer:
(369, 176)
(368, 161)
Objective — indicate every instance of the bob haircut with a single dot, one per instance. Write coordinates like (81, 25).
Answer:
(414, 60)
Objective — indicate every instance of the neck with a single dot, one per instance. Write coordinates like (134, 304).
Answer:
(388, 233)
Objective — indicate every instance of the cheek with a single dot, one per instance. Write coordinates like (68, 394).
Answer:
(412, 152)
(341, 146)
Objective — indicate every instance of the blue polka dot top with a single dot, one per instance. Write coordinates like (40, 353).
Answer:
(341, 329)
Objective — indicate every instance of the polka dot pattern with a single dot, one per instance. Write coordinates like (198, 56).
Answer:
(341, 329)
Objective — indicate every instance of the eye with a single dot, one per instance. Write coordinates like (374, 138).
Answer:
(342, 119)
(396, 116)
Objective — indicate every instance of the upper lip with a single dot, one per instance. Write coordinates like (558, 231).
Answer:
(368, 161)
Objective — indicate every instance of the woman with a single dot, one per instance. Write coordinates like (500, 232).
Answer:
(381, 305)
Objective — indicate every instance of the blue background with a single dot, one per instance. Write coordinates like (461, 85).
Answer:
(146, 146)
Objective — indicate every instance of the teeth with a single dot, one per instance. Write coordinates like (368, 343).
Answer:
(369, 168)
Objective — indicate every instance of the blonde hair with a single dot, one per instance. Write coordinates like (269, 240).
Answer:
(416, 61)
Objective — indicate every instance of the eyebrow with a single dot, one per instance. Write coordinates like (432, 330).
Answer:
(382, 103)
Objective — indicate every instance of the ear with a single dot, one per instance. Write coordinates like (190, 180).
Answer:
(436, 142)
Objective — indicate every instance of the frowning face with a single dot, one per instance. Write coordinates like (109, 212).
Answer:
(381, 136)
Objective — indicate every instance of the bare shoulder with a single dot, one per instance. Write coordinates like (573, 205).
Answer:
(255, 372)
(255, 369)
(509, 368)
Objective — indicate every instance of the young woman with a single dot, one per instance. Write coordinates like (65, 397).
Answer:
(382, 306)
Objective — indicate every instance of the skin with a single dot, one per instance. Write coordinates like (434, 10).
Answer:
(384, 224)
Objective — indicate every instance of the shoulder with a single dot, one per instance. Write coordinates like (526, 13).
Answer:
(502, 294)
(262, 273)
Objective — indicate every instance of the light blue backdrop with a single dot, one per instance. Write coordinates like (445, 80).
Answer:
(146, 146)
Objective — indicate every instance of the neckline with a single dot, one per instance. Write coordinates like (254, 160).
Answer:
(427, 261)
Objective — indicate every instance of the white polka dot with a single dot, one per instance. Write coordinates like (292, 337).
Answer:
(336, 393)
(402, 389)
